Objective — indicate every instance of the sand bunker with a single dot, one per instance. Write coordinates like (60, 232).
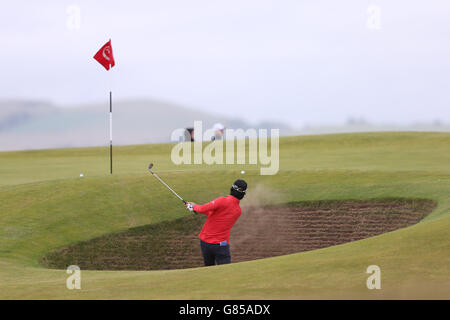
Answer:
(259, 233)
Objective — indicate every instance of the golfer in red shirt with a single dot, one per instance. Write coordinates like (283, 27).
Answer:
(222, 214)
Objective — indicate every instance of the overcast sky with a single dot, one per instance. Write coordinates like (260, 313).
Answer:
(302, 62)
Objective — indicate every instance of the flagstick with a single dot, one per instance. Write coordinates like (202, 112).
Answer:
(110, 132)
(104, 58)
(110, 121)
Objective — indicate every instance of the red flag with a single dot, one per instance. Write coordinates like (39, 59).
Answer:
(105, 56)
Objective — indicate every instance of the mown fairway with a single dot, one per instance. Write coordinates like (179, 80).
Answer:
(45, 205)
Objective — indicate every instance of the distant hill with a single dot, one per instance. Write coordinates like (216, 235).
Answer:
(16, 112)
(38, 125)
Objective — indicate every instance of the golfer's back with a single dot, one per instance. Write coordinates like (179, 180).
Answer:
(222, 214)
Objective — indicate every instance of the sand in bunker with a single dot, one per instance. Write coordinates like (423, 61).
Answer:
(268, 232)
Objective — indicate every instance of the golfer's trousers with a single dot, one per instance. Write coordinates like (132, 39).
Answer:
(215, 253)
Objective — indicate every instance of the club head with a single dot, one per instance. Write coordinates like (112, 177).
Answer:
(150, 166)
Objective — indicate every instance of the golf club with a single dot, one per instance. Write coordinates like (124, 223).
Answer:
(150, 166)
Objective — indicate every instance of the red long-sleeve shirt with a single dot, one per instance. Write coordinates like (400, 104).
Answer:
(222, 213)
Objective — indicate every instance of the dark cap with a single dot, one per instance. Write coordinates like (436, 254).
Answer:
(240, 186)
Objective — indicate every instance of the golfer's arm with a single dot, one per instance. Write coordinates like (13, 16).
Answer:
(206, 208)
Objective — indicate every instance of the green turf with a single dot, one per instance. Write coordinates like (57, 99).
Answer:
(45, 205)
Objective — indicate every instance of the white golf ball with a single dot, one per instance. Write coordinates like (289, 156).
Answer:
(242, 172)
(81, 175)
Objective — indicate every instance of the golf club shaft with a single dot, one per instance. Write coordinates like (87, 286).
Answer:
(165, 184)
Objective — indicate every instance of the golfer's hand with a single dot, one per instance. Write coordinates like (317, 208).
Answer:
(190, 206)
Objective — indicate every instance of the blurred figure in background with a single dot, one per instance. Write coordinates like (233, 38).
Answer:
(189, 135)
(219, 130)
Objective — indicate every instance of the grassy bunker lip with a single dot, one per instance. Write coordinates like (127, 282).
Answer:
(261, 232)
